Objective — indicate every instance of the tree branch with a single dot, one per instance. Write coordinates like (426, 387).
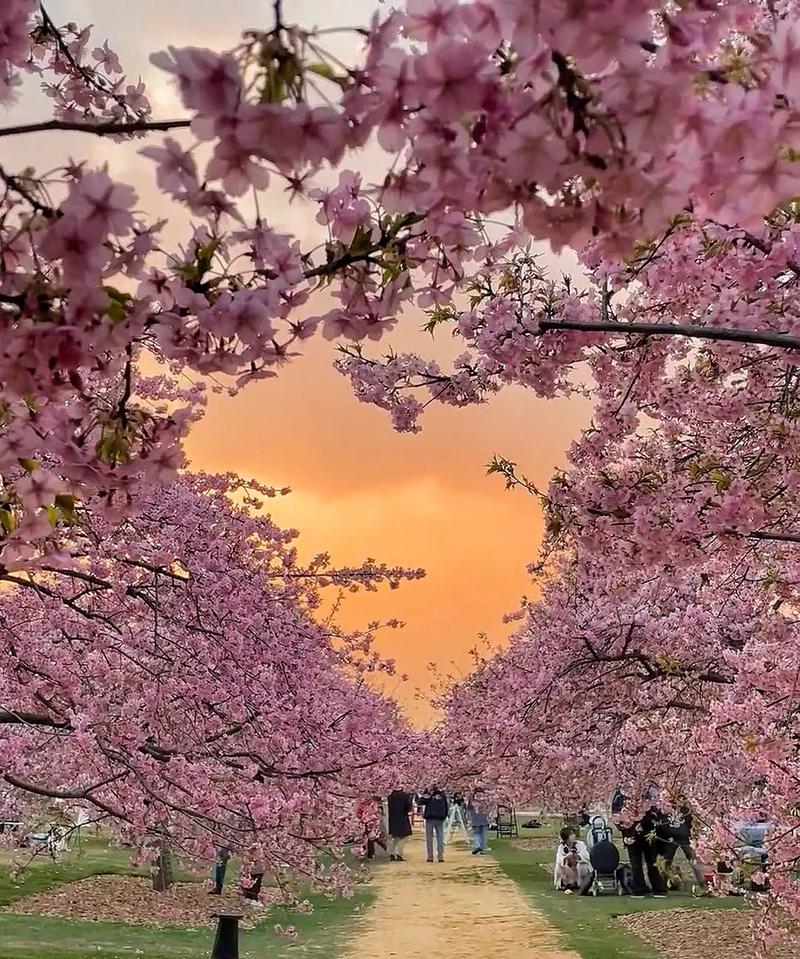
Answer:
(765, 534)
(781, 340)
(98, 129)
(84, 794)
(13, 716)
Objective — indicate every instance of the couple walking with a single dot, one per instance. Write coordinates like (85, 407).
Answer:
(434, 811)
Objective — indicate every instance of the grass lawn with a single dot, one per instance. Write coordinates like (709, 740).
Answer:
(587, 923)
(320, 933)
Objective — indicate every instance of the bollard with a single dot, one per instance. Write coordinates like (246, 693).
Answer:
(226, 942)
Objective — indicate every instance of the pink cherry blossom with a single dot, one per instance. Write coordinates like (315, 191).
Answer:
(176, 171)
(107, 59)
(100, 204)
(209, 83)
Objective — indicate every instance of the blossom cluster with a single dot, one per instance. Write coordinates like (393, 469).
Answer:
(177, 684)
(500, 123)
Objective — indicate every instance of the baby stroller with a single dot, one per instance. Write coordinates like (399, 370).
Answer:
(598, 830)
(604, 857)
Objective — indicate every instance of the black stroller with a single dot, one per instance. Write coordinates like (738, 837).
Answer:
(598, 831)
(604, 857)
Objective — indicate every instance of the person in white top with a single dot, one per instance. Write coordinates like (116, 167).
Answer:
(573, 865)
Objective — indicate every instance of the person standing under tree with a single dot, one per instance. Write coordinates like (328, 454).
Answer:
(434, 812)
(478, 813)
(677, 834)
(399, 806)
(370, 814)
(220, 867)
(643, 847)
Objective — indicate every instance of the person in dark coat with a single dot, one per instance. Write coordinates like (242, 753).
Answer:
(399, 807)
(644, 846)
(676, 833)
(434, 810)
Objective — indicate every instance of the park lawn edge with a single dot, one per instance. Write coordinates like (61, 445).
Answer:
(321, 932)
(587, 925)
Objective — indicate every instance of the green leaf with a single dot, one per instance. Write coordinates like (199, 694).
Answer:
(721, 480)
(7, 519)
(361, 243)
(113, 448)
(326, 71)
(29, 465)
(66, 505)
(205, 255)
(117, 304)
(321, 69)
(437, 316)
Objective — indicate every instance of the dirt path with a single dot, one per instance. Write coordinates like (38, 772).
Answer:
(464, 908)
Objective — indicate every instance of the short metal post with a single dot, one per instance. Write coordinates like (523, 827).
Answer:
(226, 943)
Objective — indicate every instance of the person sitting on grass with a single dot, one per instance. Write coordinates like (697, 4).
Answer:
(573, 866)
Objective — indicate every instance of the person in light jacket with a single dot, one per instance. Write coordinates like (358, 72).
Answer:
(573, 865)
(478, 812)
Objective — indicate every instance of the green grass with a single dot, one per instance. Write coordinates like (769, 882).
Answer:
(94, 858)
(321, 933)
(587, 923)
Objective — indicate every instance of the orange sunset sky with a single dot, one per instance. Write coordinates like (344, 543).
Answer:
(359, 489)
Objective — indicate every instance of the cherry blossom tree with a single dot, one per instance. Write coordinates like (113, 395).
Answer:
(498, 122)
(658, 142)
(615, 677)
(182, 681)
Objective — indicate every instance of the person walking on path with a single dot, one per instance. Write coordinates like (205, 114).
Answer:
(478, 812)
(434, 812)
(399, 807)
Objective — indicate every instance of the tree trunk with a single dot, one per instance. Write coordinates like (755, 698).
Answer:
(162, 871)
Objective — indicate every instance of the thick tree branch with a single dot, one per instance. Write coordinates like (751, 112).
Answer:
(76, 794)
(10, 717)
(766, 534)
(781, 340)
